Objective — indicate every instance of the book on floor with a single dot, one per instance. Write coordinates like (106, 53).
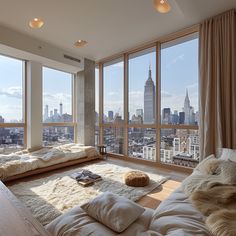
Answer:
(85, 177)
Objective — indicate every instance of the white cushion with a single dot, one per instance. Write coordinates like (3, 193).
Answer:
(114, 211)
(228, 154)
(176, 216)
(76, 222)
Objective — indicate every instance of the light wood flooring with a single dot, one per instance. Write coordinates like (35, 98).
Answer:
(151, 200)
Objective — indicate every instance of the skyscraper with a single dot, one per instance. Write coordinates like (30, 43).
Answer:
(166, 116)
(110, 115)
(61, 109)
(139, 112)
(187, 108)
(46, 112)
(149, 99)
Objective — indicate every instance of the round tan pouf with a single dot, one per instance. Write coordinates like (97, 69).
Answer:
(136, 179)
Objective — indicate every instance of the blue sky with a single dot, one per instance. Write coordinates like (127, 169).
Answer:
(179, 71)
(10, 89)
(56, 88)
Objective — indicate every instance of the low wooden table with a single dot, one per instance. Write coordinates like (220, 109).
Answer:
(102, 150)
(15, 219)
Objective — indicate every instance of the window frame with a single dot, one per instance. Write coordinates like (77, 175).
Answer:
(157, 125)
(24, 103)
(73, 123)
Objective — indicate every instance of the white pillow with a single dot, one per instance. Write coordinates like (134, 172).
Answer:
(228, 154)
(114, 211)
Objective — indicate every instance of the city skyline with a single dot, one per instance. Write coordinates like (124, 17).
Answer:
(179, 70)
(56, 114)
(187, 115)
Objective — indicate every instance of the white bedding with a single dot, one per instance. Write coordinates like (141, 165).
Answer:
(176, 216)
(23, 161)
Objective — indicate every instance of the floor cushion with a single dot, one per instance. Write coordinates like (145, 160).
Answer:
(136, 179)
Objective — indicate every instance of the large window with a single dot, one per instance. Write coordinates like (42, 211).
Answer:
(113, 105)
(113, 91)
(12, 124)
(179, 101)
(142, 87)
(142, 104)
(57, 107)
(151, 112)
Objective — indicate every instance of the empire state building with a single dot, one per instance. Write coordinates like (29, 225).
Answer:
(149, 99)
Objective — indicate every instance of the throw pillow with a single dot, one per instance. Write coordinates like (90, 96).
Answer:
(228, 154)
(114, 211)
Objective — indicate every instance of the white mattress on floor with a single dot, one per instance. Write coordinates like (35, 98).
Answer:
(23, 161)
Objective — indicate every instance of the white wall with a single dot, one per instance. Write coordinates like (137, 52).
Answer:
(34, 105)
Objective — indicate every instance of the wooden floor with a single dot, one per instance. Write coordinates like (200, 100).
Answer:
(154, 198)
(151, 200)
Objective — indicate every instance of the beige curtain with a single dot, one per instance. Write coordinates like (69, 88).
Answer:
(218, 83)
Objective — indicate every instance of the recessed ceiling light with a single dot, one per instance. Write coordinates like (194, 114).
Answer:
(162, 6)
(80, 43)
(36, 23)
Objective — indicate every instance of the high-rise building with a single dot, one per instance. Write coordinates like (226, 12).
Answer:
(55, 112)
(166, 116)
(51, 114)
(110, 115)
(139, 112)
(149, 99)
(187, 109)
(61, 109)
(181, 118)
(1, 119)
(46, 112)
(175, 118)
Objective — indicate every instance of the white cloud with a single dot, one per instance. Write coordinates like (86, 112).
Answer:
(13, 92)
(11, 112)
(165, 94)
(135, 94)
(112, 93)
(193, 86)
(53, 101)
(175, 60)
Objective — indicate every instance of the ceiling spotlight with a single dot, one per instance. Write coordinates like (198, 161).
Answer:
(162, 6)
(36, 23)
(80, 43)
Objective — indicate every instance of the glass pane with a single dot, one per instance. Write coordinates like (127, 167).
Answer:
(11, 93)
(96, 105)
(114, 140)
(11, 139)
(180, 147)
(56, 135)
(142, 87)
(142, 143)
(113, 92)
(57, 96)
(179, 82)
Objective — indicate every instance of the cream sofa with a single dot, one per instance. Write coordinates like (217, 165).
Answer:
(175, 216)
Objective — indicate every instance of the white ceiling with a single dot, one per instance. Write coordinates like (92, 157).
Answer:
(109, 26)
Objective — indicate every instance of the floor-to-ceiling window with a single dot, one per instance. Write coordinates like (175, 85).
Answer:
(142, 104)
(113, 106)
(58, 112)
(179, 102)
(12, 104)
(150, 103)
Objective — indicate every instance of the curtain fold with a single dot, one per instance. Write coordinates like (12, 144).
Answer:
(217, 61)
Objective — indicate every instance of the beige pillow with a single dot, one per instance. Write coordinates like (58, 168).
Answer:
(114, 211)
(228, 154)
(208, 165)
